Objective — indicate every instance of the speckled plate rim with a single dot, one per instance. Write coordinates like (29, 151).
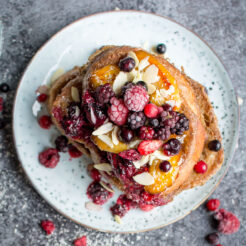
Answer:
(153, 228)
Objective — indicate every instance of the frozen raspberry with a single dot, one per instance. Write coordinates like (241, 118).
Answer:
(146, 133)
(61, 143)
(122, 206)
(131, 155)
(136, 120)
(1, 104)
(163, 133)
(95, 175)
(48, 226)
(104, 93)
(45, 122)
(88, 98)
(213, 238)
(80, 241)
(118, 112)
(213, 204)
(149, 146)
(42, 98)
(228, 223)
(146, 207)
(151, 110)
(201, 167)
(74, 152)
(49, 158)
(136, 98)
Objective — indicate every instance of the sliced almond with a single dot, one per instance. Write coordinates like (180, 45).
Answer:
(92, 206)
(107, 140)
(120, 80)
(103, 129)
(75, 94)
(105, 186)
(145, 46)
(151, 88)
(151, 159)
(43, 89)
(138, 76)
(151, 74)
(103, 167)
(159, 155)
(114, 135)
(57, 74)
(133, 55)
(77, 111)
(144, 178)
(141, 162)
(134, 143)
(143, 63)
(118, 219)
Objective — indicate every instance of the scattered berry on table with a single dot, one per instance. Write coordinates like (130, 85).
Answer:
(136, 98)
(201, 167)
(118, 112)
(214, 145)
(146, 133)
(4, 87)
(48, 226)
(165, 166)
(136, 120)
(82, 241)
(42, 98)
(104, 93)
(61, 143)
(126, 134)
(149, 146)
(127, 64)
(213, 204)
(172, 147)
(74, 152)
(213, 238)
(45, 122)
(161, 48)
(49, 157)
(131, 155)
(151, 110)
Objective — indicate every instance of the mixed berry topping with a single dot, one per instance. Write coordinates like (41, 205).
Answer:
(98, 194)
(4, 87)
(136, 98)
(131, 155)
(42, 98)
(181, 125)
(172, 147)
(201, 167)
(48, 226)
(165, 166)
(45, 122)
(118, 112)
(49, 157)
(126, 135)
(214, 145)
(161, 48)
(136, 120)
(127, 64)
(146, 133)
(104, 93)
(61, 143)
(213, 204)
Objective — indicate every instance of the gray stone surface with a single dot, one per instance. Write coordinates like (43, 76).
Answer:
(27, 24)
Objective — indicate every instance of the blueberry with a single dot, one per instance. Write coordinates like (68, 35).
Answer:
(161, 48)
(172, 147)
(214, 145)
(127, 64)
(165, 166)
(4, 87)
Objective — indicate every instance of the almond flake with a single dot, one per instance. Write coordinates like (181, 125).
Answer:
(133, 55)
(144, 178)
(118, 219)
(105, 186)
(92, 206)
(145, 46)
(107, 140)
(141, 162)
(134, 143)
(105, 128)
(120, 80)
(151, 88)
(114, 135)
(151, 74)
(159, 155)
(240, 101)
(151, 159)
(75, 94)
(43, 89)
(57, 74)
(138, 76)
(143, 63)
(77, 111)
(103, 167)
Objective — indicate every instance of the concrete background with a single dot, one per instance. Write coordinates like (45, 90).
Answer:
(27, 24)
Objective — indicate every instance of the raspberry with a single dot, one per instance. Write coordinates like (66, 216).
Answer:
(149, 146)
(49, 158)
(42, 98)
(228, 223)
(45, 122)
(74, 152)
(146, 133)
(213, 204)
(163, 133)
(87, 98)
(146, 207)
(131, 155)
(95, 175)
(1, 104)
(48, 226)
(136, 120)
(80, 241)
(118, 112)
(200, 167)
(213, 238)
(104, 93)
(61, 143)
(151, 110)
(136, 98)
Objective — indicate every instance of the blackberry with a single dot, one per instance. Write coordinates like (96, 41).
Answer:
(181, 125)
(168, 119)
(161, 48)
(125, 87)
(172, 147)
(154, 122)
(104, 93)
(142, 83)
(163, 133)
(61, 143)
(136, 120)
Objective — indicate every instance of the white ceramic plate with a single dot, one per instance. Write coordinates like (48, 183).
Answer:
(65, 186)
